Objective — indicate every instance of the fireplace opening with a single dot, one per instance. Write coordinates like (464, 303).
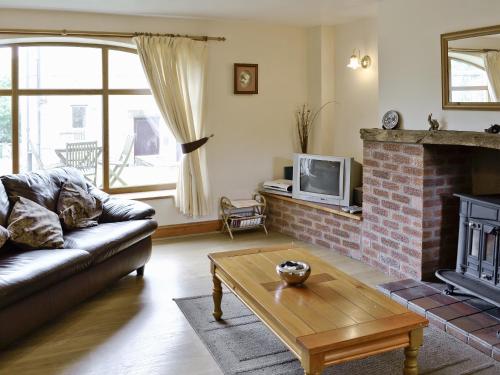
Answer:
(450, 170)
(470, 225)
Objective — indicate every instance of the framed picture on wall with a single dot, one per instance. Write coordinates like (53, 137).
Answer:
(246, 78)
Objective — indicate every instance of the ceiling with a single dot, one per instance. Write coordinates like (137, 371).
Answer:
(293, 12)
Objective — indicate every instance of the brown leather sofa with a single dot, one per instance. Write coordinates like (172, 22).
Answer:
(38, 285)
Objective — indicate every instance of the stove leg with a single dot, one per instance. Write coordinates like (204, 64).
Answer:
(450, 289)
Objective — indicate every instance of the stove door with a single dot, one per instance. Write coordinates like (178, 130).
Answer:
(489, 253)
(472, 258)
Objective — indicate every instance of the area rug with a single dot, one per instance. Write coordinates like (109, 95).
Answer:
(241, 344)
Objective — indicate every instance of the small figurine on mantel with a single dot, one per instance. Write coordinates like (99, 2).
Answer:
(434, 124)
(493, 129)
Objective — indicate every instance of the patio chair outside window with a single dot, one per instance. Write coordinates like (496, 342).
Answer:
(83, 156)
(116, 167)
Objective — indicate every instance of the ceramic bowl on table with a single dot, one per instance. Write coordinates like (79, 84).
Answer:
(293, 272)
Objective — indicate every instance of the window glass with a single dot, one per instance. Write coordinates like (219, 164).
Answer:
(142, 150)
(125, 71)
(60, 67)
(5, 68)
(489, 247)
(79, 116)
(5, 135)
(66, 129)
(48, 137)
(474, 250)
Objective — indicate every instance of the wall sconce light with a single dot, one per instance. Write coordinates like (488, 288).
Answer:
(356, 62)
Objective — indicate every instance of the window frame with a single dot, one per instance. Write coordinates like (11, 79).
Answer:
(105, 92)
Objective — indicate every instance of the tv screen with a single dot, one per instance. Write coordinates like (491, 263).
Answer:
(320, 176)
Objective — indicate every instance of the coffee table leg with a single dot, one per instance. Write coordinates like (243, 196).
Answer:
(411, 352)
(312, 365)
(217, 296)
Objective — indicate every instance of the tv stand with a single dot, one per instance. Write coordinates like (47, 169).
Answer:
(330, 208)
(317, 223)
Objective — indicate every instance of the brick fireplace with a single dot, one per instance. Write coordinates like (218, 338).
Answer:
(410, 217)
(409, 226)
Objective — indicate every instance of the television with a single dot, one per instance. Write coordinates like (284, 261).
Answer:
(325, 179)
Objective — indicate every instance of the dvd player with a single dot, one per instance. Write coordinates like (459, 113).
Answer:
(281, 185)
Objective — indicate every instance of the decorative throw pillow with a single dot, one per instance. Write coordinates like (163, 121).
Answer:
(33, 226)
(4, 235)
(77, 208)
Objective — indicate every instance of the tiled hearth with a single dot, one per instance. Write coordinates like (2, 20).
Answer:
(469, 319)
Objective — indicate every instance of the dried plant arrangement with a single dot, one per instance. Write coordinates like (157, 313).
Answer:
(305, 118)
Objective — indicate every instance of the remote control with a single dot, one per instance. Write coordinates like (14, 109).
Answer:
(352, 209)
(355, 209)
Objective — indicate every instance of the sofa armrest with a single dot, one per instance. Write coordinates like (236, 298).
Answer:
(118, 209)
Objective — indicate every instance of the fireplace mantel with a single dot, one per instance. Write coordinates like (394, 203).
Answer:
(435, 137)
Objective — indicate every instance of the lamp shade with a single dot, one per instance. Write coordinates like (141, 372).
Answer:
(354, 62)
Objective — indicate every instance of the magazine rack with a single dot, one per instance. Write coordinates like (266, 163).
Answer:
(243, 214)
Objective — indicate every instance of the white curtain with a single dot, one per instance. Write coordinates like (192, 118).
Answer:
(492, 66)
(175, 69)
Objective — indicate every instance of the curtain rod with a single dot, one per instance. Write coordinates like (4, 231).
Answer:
(105, 34)
(473, 50)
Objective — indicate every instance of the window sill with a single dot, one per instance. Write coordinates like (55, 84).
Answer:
(147, 195)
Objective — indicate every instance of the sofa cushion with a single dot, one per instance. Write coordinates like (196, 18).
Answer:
(42, 187)
(105, 240)
(77, 208)
(23, 273)
(32, 226)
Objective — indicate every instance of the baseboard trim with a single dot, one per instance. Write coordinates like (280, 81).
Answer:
(176, 230)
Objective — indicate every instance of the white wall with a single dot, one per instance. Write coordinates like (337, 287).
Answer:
(321, 86)
(410, 62)
(253, 133)
(356, 91)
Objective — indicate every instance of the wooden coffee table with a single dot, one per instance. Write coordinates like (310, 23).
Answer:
(332, 318)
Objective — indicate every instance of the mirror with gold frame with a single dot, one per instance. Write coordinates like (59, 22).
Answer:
(470, 64)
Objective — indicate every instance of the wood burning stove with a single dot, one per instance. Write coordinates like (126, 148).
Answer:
(478, 266)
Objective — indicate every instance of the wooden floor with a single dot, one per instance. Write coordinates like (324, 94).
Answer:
(134, 327)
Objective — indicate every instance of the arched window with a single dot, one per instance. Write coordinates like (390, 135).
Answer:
(84, 105)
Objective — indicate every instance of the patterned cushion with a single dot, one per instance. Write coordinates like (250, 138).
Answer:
(4, 235)
(32, 226)
(77, 208)
(43, 186)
